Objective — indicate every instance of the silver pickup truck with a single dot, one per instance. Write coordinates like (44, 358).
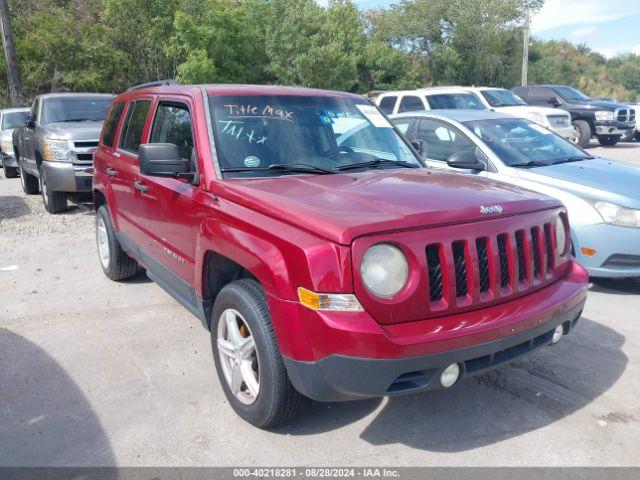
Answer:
(55, 149)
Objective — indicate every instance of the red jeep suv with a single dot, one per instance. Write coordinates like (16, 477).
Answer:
(301, 228)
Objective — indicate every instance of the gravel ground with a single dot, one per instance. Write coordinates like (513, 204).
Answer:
(99, 373)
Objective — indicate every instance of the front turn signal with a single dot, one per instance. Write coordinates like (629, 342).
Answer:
(336, 302)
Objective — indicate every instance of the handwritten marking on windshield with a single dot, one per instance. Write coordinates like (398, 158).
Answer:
(254, 111)
(236, 129)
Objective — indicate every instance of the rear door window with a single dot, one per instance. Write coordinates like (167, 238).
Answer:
(111, 125)
(387, 104)
(173, 125)
(134, 126)
(411, 104)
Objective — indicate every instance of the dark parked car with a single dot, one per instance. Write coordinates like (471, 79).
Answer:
(607, 121)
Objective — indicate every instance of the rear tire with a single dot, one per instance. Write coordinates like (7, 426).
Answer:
(115, 263)
(608, 140)
(243, 304)
(54, 202)
(29, 182)
(583, 133)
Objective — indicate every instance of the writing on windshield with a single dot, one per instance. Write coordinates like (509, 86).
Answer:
(258, 135)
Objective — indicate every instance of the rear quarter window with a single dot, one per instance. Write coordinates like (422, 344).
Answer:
(111, 125)
(134, 126)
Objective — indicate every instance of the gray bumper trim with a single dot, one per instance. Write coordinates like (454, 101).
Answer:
(339, 378)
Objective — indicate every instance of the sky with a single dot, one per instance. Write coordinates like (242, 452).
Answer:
(610, 27)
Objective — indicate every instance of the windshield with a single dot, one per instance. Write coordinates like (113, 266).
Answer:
(270, 135)
(571, 94)
(14, 120)
(502, 98)
(520, 143)
(455, 101)
(77, 109)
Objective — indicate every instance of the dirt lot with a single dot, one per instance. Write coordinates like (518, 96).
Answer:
(98, 373)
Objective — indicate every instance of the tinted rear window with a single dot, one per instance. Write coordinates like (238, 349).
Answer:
(111, 125)
(387, 104)
(411, 104)
(455, 101)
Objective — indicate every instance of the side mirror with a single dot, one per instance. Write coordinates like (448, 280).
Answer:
(555, 101)
(31, 122)
(164, 160)
(467, 160)
(418, 145)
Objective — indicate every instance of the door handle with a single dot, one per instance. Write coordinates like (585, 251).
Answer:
(111, 172)
(141, 187)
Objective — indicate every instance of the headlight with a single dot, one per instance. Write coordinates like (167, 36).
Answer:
(57, 150)
(7, 146)
(617, 215)
(539, 118)
(604, 116)
(561, 236)
(384, 270)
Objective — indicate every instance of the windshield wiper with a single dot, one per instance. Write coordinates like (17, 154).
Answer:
(531, 163)
(280, 167)
(375, 163)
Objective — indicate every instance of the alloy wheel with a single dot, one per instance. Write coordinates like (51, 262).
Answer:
(238, 356)
(102, 238)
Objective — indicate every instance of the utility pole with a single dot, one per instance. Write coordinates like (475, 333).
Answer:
(525, 49)
(15, 87)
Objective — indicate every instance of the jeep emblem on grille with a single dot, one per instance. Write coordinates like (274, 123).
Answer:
(491, 209)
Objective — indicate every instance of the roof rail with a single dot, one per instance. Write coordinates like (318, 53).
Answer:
(157, 83)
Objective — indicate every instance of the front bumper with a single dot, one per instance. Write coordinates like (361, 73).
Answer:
(617, 250)
(9, 160)
(67, 177)
(370, 360)
(614, 127)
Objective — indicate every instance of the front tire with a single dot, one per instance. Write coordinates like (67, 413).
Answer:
(115, 263)
(247, 358)
(29, 182)
(608, 140)
(54, 202)
(583, 133)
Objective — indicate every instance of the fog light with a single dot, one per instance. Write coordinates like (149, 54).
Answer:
(450, 375)
(557, 334)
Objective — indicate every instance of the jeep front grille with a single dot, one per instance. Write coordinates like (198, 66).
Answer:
(483, 264)
(494, 263)
(460, 267)
(434, 266)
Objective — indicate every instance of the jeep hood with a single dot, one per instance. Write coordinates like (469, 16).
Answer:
(342, 207)
(74, 130)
